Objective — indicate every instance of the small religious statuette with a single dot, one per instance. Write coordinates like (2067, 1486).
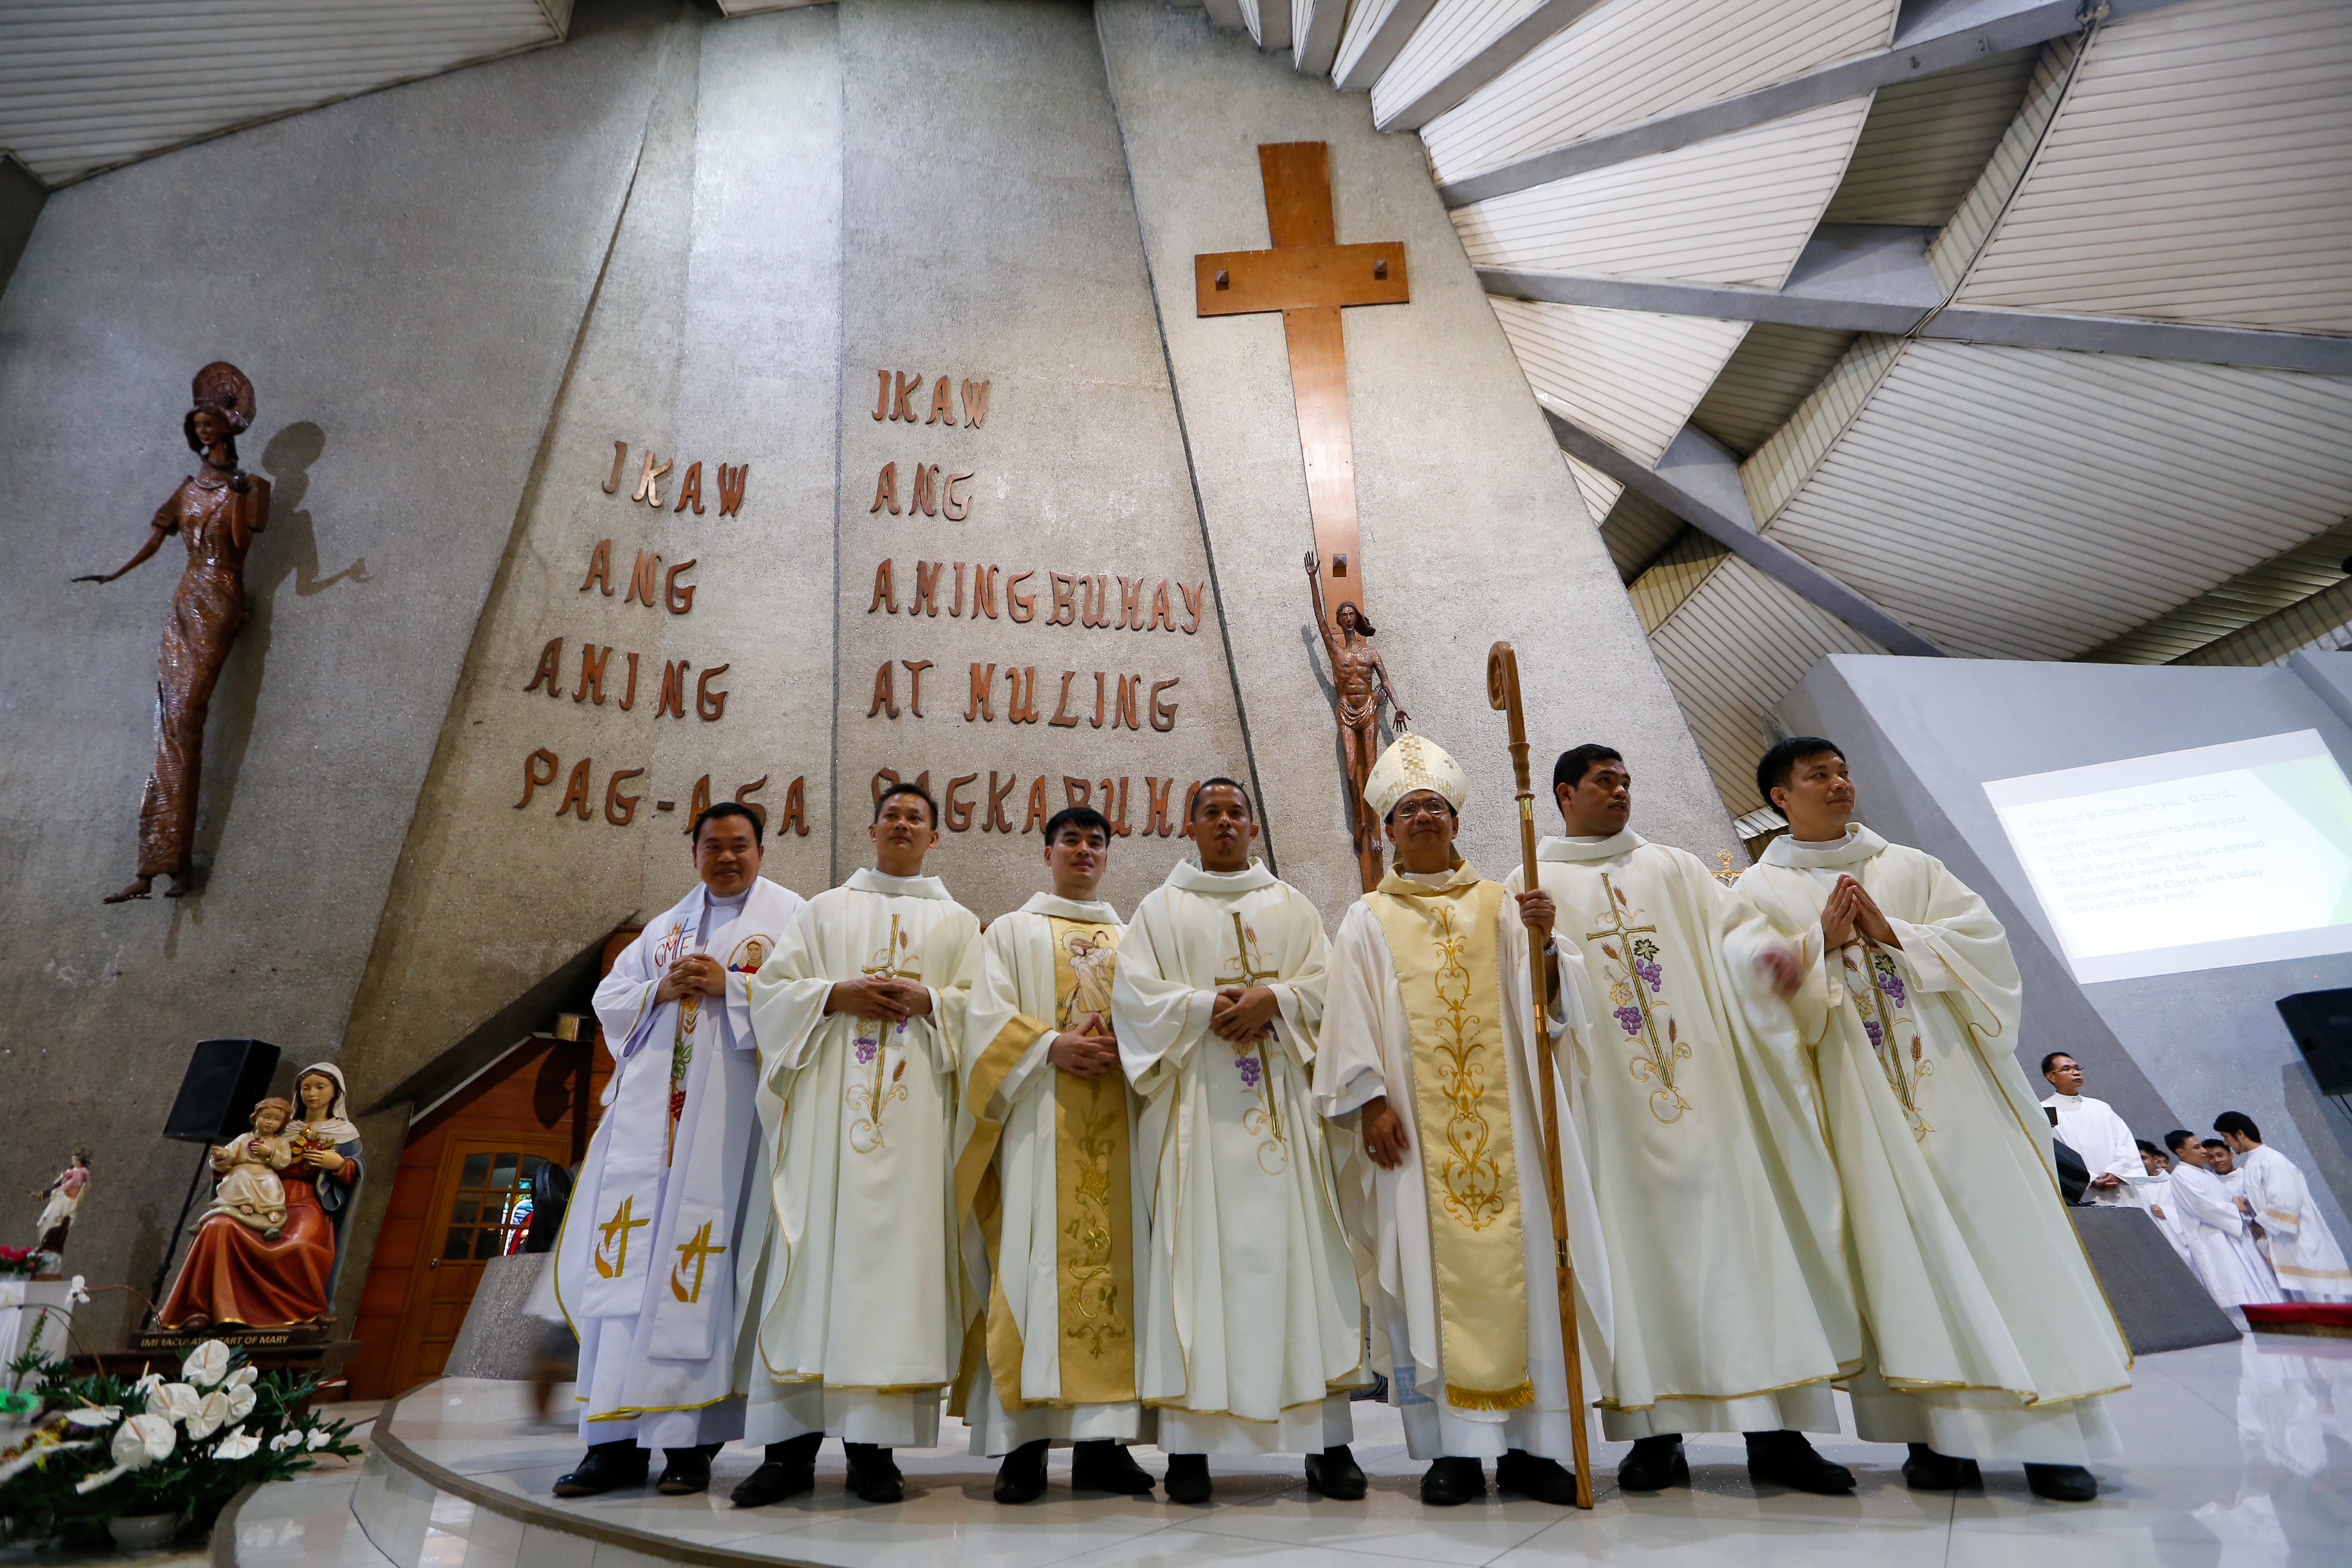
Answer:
(1362, 683)
(216, 513)
(60, 1199)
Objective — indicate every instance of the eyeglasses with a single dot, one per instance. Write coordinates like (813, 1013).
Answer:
(1422, 808)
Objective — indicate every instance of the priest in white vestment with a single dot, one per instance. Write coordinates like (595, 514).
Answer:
(2218, 1228)
(861, 1312)
(2295, 1234)
(1733, 1309)
(644, 1264)
(2092, 1129)
(1991, 1339)
(1046, 1174)
(1253, 1328)
(1427, 1066)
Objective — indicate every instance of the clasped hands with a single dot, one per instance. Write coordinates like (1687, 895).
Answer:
(697, 973)
(1241, 1016)
(891, 1000)
(1086, 1049)
(1851, 908)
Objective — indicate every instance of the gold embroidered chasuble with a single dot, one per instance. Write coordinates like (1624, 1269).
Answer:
(1443, 942)
(1057, 958)
(1988, 1324)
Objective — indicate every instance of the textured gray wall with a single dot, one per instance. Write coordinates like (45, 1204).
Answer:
(402, 276)
(1924, 736)
(1472, 528)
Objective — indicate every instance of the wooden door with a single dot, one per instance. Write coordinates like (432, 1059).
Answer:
(479, 1208)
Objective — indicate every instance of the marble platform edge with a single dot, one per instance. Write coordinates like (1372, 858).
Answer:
(221, 1551)
(388, 1447)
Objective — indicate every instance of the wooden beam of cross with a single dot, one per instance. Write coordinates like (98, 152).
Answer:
(1310, 278)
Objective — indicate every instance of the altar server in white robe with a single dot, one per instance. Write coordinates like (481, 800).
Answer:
(862, 1310)
(644, 1262)
(2154, 1196)
(2217, 1228)
(1047, 1176)
(2092, 1129)
(1719, 1205)
(1991, 1339)
(1252, 1330)
(1427, 1067)
(2295, 1234)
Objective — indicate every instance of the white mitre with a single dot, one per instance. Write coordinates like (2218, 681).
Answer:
(1411, 763)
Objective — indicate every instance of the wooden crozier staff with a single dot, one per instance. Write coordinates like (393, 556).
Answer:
(1503, 693)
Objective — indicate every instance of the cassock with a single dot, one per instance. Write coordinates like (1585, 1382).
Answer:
(2154, 1193)
(1252, 1328)
(644, 1264)
(1046, 1175)
(2093, 1129)
(2303, 1251)
(1428, 1004)
(2221, 1238)
(1992, 1339)
(1732, 1308)
(862, 1303)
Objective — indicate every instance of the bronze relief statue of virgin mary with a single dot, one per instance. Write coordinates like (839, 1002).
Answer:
(216, 513)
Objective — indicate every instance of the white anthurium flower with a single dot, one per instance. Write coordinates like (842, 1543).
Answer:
(319, 1437)
(236, 1444)
(25, 1461)
(285, 1440)
(207, 1365)
(92, 1483)
(241, 1401)
(143, 1439)
(94, 1415)
(173, 1400)
(241, 1377)
(211, 1412)
(74, 1292)
(149, 1382)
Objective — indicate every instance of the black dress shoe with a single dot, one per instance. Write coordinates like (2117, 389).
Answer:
(1546, 1480)
(2062, 1483)
(1107, 1466)
(872, 1474)
(788, 1469)
(1335, 1473)
(1449, 1482)
(686, 1471)
(608, 1467)
(1655, 1464)
(1786, 1458)
(1188, 1477)
(1022, 1477)
(1928, 1471)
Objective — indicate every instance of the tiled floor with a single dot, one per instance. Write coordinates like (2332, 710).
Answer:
(2241, 1457)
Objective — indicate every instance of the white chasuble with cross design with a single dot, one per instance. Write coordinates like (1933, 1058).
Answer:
(1252, 1327)
(862, 1301)
(1718, 1202)
(1429, 1006)
(1045, 1179)
(644, 1266)
(1990, 1334)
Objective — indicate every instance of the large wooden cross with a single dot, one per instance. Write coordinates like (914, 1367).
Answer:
(1310, 277)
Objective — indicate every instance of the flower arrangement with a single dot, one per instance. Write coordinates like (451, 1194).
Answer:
(18, 1260)
(103, 1446)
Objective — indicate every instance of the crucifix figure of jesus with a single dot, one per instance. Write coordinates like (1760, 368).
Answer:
(1310, 278)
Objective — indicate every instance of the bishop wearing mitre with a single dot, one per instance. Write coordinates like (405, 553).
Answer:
(1252, 1328)
(1427, 1060)
(1731, 1309)
(1045, 1183)
(860, 1290)
(1990, 1340)
(644, 1262)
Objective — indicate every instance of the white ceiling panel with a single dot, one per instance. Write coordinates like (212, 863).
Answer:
(1630, 60)
(1926, 140)
(2019, 504)
(86, 85)
(1738, 209)
(2200, 170)
(1364, 19)
(1627, 375)
(1452, 32)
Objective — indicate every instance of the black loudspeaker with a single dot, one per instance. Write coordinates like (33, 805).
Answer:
(223, 1079)
(2321, 1023)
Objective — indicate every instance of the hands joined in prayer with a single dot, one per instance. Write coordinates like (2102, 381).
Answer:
(1384, 1131)
(892, 1001)
(696, 971)
(1086, 1049)
(1242, 1016)
(1851, 908)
